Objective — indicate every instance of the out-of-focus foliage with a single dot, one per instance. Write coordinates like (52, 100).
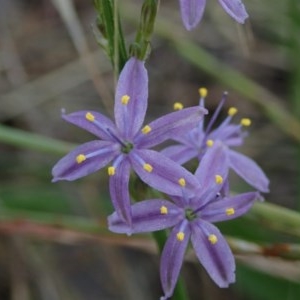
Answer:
(49, 60)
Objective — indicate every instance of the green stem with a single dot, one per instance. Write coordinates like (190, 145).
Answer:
(294, 60)
(141, 46)
(83, 226)
(109, 25)
(26, 140)
(276, 217)
(80, 224)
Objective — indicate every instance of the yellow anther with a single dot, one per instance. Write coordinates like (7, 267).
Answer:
(111, 171)
(209, 143)
(202, 92)
(146, 129)
(163, 210)
(177, 106)
(213, 239)
(232, 111)
(90, 117)
(148, 168)
(182, 182)
(230, 211)
(180, 236)
(245, 122)
(219, 179)
(80, 158)
(125, 99)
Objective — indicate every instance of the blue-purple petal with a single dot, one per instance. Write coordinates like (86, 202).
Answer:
(180, 153)
(147, 216)
(236, 9)
(79, 119)
(214, 164)
(133, 82)
(191, 12)
(216, 256)
(119, 190)
(229, 208)
(249, 171)
(172, 258)
(165, 173)
(230, 135)
(68, 168)
(170, 126)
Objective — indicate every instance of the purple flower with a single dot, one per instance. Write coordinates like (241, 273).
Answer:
(126, 145)
(198, 140)
(191, 219)
(192, 11)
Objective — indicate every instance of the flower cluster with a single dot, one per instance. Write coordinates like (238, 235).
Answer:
(195, 201)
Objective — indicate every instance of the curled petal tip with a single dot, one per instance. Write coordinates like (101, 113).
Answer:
(191, 12)
(236, 9)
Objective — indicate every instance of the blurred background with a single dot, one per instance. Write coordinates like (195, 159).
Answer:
(53, 238)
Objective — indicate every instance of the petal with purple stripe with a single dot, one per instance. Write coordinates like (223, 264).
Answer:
(213, 252)
(93, 122)
(214, 162)
(131, 98)
(180, 153)
(229, 208)
(119, 192)
(147, 216)
(249, 171)
(191, 12)
(85, 159)
(211, 174)
(172, 257)
(236, 9)
(162, 173)
(170, 126)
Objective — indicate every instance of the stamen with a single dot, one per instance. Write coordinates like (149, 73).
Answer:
(146, 129)
(111, 171)
(90, 117)
(209, 143)
(148, 168)
(177, 106)
(80, 158)
(164, 210)
(182, 182)
(219, 179)
(232, 111)
(213, 239)
(245, 122)
(230, 211)
(216, 113)
(203, 92)
(180, 236)
(125, 99)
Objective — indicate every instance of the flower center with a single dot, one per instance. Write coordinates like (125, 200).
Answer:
(190, 214)
(127, 147)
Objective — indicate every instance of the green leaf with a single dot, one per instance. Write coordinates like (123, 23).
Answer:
(261, 286)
